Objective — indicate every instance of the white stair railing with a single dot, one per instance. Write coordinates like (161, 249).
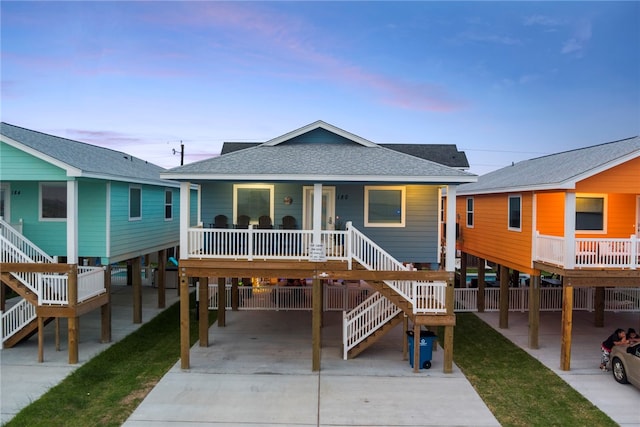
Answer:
(14, 319)
(10, 253)
(24, 245)
(365, 319)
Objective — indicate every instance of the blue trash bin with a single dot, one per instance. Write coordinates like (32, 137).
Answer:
(426, 347)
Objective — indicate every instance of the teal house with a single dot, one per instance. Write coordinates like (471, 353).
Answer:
(69, 208)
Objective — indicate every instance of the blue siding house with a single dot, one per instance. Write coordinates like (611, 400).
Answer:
(320, 197)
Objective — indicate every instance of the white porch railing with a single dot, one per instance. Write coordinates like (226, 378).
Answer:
(589, 252)
(15, 318)
(616, 299)
(254, 243)
(24, 245)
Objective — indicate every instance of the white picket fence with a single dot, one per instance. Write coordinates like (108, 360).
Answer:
(616, 299)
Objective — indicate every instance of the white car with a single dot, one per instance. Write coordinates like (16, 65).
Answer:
(625, 364)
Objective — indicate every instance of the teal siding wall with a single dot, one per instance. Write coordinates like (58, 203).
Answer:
(417, 242)
(133, 237)
(16, 165)
(92, 218)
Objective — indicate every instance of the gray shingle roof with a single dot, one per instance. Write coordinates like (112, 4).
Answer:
(304, 160)
(445, 154)
(91, 160)
(560, 170)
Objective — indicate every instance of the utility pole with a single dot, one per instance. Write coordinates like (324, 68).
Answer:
(181, 153)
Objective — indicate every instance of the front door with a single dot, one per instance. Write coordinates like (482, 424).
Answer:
(5, 200)
(328, 208)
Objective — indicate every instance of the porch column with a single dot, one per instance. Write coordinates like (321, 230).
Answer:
(137, 289)
(481, 276)
(185, 210)
(534, 310)
(504, 297)
(72, 222)
(450, 238)
(569, 230)
(567, 323)
(317, 213)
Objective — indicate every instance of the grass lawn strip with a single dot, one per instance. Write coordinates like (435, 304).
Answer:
(517, 388)
(106, 389)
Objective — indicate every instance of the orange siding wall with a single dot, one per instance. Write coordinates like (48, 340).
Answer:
(550, 219)
(624, 178)
(490, 237)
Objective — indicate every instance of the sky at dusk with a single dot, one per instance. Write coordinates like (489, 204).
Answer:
(504, 81)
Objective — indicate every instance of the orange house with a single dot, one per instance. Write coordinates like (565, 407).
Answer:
(574, 214)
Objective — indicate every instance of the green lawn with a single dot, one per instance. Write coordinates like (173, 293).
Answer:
(518, 389)
(106, 390)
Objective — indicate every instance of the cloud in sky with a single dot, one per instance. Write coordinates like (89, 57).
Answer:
(576, 44)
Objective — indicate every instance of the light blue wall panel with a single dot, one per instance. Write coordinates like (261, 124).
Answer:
(92, 218)
(16, 165)
(151, 231)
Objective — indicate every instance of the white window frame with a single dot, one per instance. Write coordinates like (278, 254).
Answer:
(135, 218)
(519, 197)
(605, 201)
(470, 213)
(169, 205)
(269, 187)
(403, 199)
(63, 184)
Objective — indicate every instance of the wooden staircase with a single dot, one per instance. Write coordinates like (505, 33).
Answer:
(27, 331)
(19, 288)
(373, 338)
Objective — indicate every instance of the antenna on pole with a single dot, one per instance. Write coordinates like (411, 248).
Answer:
(181, 153)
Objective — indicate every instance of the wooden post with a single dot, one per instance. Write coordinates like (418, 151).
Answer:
(136, 280)
(40, 339)
(316, 323)
(504, 297)
(203, 311)
(162, 267)
(105, 310)
(416, 347)
(234, 294)
(448, 330)
(599, 307)
(184, 321)
(481, 278)
(222, 302)
(73, 321)
(463, 269)
(567, 324)
(57, 331)
(534, 310)
(405, 338)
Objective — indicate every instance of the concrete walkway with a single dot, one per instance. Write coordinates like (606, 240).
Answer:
(257, 371)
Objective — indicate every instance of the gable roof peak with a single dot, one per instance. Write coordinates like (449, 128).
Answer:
(319, 124)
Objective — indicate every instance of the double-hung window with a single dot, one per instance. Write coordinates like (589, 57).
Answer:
(515, 213)
(135, 202)
(168, 205)
(384, 206)
(53, 201)
(470, 212)
(253, 200)
(590, 213)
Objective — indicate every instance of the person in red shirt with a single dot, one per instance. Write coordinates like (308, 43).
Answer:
(617, 338)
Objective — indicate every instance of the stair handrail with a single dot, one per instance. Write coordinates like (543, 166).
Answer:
(366, 318)
(373, 257)
(10, 253)
(15, 318)
(26, 246)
